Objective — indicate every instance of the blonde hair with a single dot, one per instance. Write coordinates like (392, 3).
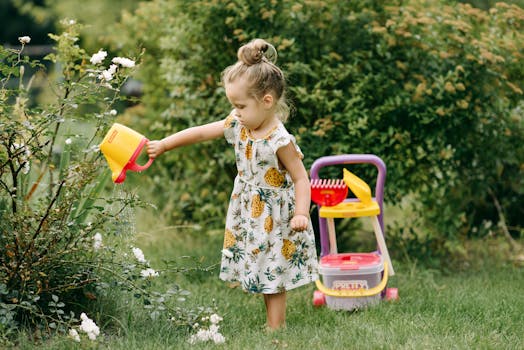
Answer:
(256, 62)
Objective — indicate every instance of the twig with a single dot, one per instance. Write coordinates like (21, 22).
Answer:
(514, 245)
(48, 210)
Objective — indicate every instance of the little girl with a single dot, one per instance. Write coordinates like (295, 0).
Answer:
(269, 245)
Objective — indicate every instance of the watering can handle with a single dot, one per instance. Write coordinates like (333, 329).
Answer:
(136, 167)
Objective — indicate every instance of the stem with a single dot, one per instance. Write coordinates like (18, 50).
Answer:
(72, 285)
(55, 134)
(48, 210)
(514, 245)
(143, 291)
(42, 221)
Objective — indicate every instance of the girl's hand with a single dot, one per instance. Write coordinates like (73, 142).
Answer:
(155, 148)
(299, 222)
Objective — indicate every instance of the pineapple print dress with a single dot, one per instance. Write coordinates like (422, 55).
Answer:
(260, 249)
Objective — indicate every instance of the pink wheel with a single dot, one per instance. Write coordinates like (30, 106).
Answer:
(392, 294)
(319, 299)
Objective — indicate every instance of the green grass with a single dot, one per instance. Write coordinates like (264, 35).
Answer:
(477, 309)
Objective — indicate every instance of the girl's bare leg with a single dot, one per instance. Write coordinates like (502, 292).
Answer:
(276, 310)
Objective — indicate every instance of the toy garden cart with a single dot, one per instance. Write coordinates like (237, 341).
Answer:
(350, 280)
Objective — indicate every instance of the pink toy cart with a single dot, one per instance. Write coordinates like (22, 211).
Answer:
(351, 281)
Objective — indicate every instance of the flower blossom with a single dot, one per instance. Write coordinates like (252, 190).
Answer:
(124, 62)
(107, 74)
(24, 39)
(148, 273)
(215, 319)
(24, 156)
(97, 241)
(218, 338)
(74, 334)
(139, 255)
(98, 57)
(89, 327)
(209, 334)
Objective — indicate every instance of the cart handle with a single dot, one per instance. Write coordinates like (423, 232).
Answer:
(350, 159)
(358, 293)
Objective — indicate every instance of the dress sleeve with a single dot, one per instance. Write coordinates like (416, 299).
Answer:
(231, 126)
(283, 138)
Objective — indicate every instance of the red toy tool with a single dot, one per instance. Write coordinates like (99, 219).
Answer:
(327, 192)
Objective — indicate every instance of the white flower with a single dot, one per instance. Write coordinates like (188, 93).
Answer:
(98, 57)
(74, 334)
(112, 68)
(213, 329)
(203, 335)
(227, 253)
(210, 334)
(26, 168)
(139, 255)
(24, 158)
(113, 112)
(219, 338)
(215, 319)
(68, 141)
(148, 273)
(97, 241)
(124, 62)
(24, 39)
(89, 327)
(105, 75)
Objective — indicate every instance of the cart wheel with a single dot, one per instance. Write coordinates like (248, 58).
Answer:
(392, 294)
(319, 299)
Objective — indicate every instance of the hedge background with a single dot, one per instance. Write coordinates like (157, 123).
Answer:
(432, 87)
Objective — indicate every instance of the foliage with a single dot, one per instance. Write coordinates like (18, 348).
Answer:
(37, 18)
(64, 240)
(462, 90)
(422, 84)
(17, 23)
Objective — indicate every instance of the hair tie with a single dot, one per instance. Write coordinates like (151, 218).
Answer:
(270, 53)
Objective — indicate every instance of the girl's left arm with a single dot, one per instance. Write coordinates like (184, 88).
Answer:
(289, 157)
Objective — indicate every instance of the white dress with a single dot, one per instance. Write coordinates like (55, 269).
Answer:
(260, 249)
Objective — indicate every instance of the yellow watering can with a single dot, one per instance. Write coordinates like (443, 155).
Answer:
(121, 147)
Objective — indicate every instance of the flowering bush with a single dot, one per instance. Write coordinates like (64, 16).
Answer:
(63, 240)
(51, 211)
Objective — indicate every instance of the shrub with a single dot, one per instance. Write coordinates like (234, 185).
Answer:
(422, 84)
(65, 241)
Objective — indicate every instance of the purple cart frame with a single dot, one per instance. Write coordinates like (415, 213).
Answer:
(350, 159)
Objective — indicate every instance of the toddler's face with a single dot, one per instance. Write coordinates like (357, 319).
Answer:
(251, 112)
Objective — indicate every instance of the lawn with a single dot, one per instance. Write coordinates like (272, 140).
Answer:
(464, 310)
(477, 309)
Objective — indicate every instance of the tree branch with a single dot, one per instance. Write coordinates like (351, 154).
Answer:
(514, 244)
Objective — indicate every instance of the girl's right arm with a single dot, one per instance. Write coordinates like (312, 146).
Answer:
(186, 137)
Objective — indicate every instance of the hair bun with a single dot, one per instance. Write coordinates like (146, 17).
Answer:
(257, 51)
